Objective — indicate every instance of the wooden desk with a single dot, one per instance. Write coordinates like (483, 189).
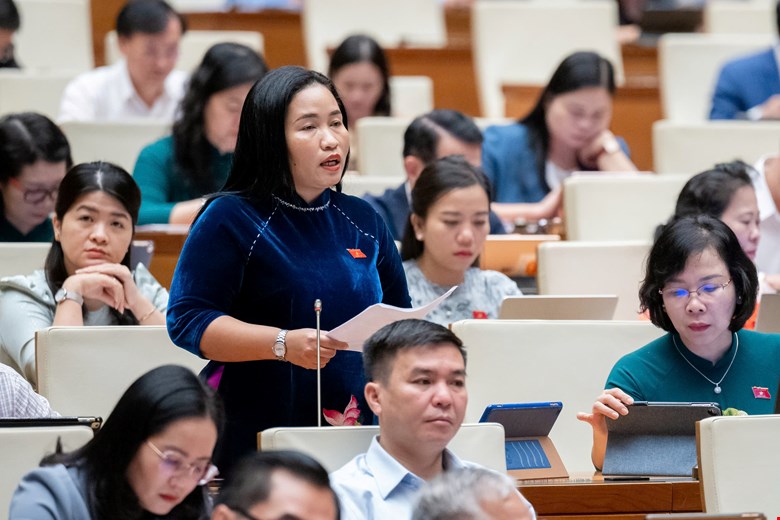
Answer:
(168, 241)
(635, 108)
(582, 498)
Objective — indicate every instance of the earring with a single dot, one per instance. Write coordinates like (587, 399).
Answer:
(419, 237)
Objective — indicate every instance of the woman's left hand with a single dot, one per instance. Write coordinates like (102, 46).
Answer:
(602, 143)
(134, 300)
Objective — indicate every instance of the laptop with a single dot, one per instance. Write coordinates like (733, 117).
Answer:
(558, 307)
(513, 255)
(92, 422)
(655, 439)
(768, 319)
(530, 454)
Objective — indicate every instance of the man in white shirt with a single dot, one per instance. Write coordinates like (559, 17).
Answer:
(18, 399)
(142, 85)
(417, 387)
(767, 185)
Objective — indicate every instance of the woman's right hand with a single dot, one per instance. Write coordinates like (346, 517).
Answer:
(611, 403)
(98, 286)
(302, 348)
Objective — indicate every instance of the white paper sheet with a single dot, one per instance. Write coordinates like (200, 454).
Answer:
(359, 329)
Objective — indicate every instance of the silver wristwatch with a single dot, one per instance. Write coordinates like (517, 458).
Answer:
(64, 294)
(280, 346)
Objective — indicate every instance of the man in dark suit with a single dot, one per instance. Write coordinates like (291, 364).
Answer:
(431, 136)
(749, 87)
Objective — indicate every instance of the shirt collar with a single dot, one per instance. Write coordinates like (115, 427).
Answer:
(389, 473)
(766, 205)
(127, 92)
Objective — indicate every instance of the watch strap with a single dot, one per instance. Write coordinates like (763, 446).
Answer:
(281, 341)
(64, 294)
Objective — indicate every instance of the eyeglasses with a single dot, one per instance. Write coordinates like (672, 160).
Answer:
(706, 293)
(174, 465)
(37, 195)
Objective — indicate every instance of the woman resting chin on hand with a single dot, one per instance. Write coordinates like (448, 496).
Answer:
(87, 278)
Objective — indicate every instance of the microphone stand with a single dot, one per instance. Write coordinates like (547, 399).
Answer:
(317, 311)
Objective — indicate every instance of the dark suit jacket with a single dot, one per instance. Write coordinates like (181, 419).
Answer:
(393, 206)
(745, 83)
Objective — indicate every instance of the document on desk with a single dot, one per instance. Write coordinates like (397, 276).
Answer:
(359, 329)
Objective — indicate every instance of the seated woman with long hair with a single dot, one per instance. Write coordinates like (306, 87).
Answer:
(87, 278)
(151, 459)
(176, 171)
(700, 287)
(447, 230)
(34, 156)
(566, 131)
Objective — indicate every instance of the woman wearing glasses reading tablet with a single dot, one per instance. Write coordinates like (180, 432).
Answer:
(151, 459)
(701, 287)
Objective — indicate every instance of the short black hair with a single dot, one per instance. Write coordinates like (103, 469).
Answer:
(28, 137)
(380, 350)
(683, 238)
(710, 192)
(423, 134)
(146, 16)
(9, 16)
(249, 483)
(360, 48)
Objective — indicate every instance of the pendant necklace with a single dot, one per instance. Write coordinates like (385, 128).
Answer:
(717, 388)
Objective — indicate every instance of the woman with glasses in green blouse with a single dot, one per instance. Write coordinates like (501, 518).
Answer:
(34, 156)
(701, 288)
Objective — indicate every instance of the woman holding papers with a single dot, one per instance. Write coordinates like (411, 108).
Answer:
(700, 287)
(280, 236)
(447, 230)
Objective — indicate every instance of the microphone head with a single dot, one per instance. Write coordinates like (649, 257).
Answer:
(317, 305)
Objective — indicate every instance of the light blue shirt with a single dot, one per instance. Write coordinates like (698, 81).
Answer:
(374, 485)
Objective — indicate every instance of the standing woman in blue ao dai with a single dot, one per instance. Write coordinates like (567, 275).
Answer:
(445, 236)
(566, 131)
(280, 236)
(176, 171)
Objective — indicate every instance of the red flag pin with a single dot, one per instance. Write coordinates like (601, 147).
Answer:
(479, 315)
(761, 393)
(356, 253)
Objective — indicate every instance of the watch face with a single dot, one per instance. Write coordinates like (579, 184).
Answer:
(279, 349)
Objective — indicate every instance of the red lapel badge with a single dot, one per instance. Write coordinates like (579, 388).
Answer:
(479, 315)
(761, 393)
(356, 253)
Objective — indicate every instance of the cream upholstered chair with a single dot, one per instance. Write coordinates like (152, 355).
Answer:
(689, 148)
(688, 67)
(381, 146)
(743, 17)
(22, 448)
(517, 361)
(23, 91)
(523, 42)
(410, 96)
(193, 45)
(392, 24)
(580, 267)
(333, 447)
(768, 319)
(359, 185)
(22, 257)
(618, 206)
(85, 370)
(56, 35)
(119, 143)
(739, 463)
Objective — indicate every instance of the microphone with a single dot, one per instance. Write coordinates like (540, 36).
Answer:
(317, 311)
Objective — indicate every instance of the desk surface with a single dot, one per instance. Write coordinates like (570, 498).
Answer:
(592, 497)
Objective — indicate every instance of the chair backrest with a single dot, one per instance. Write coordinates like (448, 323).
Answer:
(22, 257)
(56, 35)
(739, 464)
(768, 319)
(359, 185)
(482, 443)
(745, 17)
(85, 370)
(688, 67)
(391, 24)
(381, 145)
(620, 206)
(119, 143)
(411, 96)
(572, 267)
(22, 448)
(23, 91)
(523, 42)
(518, 361)
(689, 148)
(193, 45)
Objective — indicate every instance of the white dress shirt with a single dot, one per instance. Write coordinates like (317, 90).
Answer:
(374, 485)
(107, 94)
(768, 253)
(18, 399)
